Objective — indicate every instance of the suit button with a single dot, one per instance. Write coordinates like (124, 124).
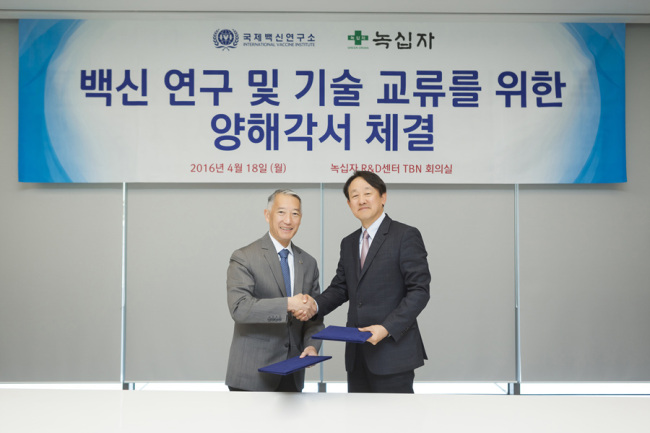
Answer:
(360, 304)
(286, 344)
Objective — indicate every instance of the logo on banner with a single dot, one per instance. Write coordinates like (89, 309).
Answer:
(225, 39)
(358, 38)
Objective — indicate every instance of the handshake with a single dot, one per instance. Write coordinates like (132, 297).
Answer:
(303, 307)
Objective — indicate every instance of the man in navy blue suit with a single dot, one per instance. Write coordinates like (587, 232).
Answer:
(386, 293)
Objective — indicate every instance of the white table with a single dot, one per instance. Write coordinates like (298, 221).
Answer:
(196, 411)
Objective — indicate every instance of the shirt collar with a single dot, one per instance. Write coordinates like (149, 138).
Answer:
(374, 227)
(279, 247)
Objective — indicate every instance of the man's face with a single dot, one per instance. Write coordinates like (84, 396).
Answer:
(284, 218)
(365, 202)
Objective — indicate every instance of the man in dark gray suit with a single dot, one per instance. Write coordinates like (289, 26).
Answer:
(265, 332)
(386, 291)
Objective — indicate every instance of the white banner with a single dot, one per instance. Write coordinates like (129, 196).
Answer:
(301, 101)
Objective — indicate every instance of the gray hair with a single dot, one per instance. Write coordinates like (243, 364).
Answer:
(271, 199)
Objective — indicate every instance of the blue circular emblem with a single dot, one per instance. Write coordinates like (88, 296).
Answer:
(225, 39)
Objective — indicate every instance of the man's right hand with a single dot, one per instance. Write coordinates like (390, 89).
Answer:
(303, 307)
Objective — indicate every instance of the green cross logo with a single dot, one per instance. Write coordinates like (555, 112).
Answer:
(357, 37)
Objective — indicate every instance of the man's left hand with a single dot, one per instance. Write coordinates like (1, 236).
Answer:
(378, 333)
(309, 351)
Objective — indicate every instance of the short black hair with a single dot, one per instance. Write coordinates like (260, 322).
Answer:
(372, 178)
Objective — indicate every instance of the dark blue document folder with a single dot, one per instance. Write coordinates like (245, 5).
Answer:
(342, 333)
(292, 364)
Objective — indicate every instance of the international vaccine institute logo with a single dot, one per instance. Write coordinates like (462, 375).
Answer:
(225, 39)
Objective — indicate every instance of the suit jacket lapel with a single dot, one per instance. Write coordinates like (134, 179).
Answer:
(354, 254)
(271, 256)
(298, 270)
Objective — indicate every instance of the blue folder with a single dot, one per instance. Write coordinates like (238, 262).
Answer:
(342, 333)
(292, 364)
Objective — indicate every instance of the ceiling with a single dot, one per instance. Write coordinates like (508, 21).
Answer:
(614, 10)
